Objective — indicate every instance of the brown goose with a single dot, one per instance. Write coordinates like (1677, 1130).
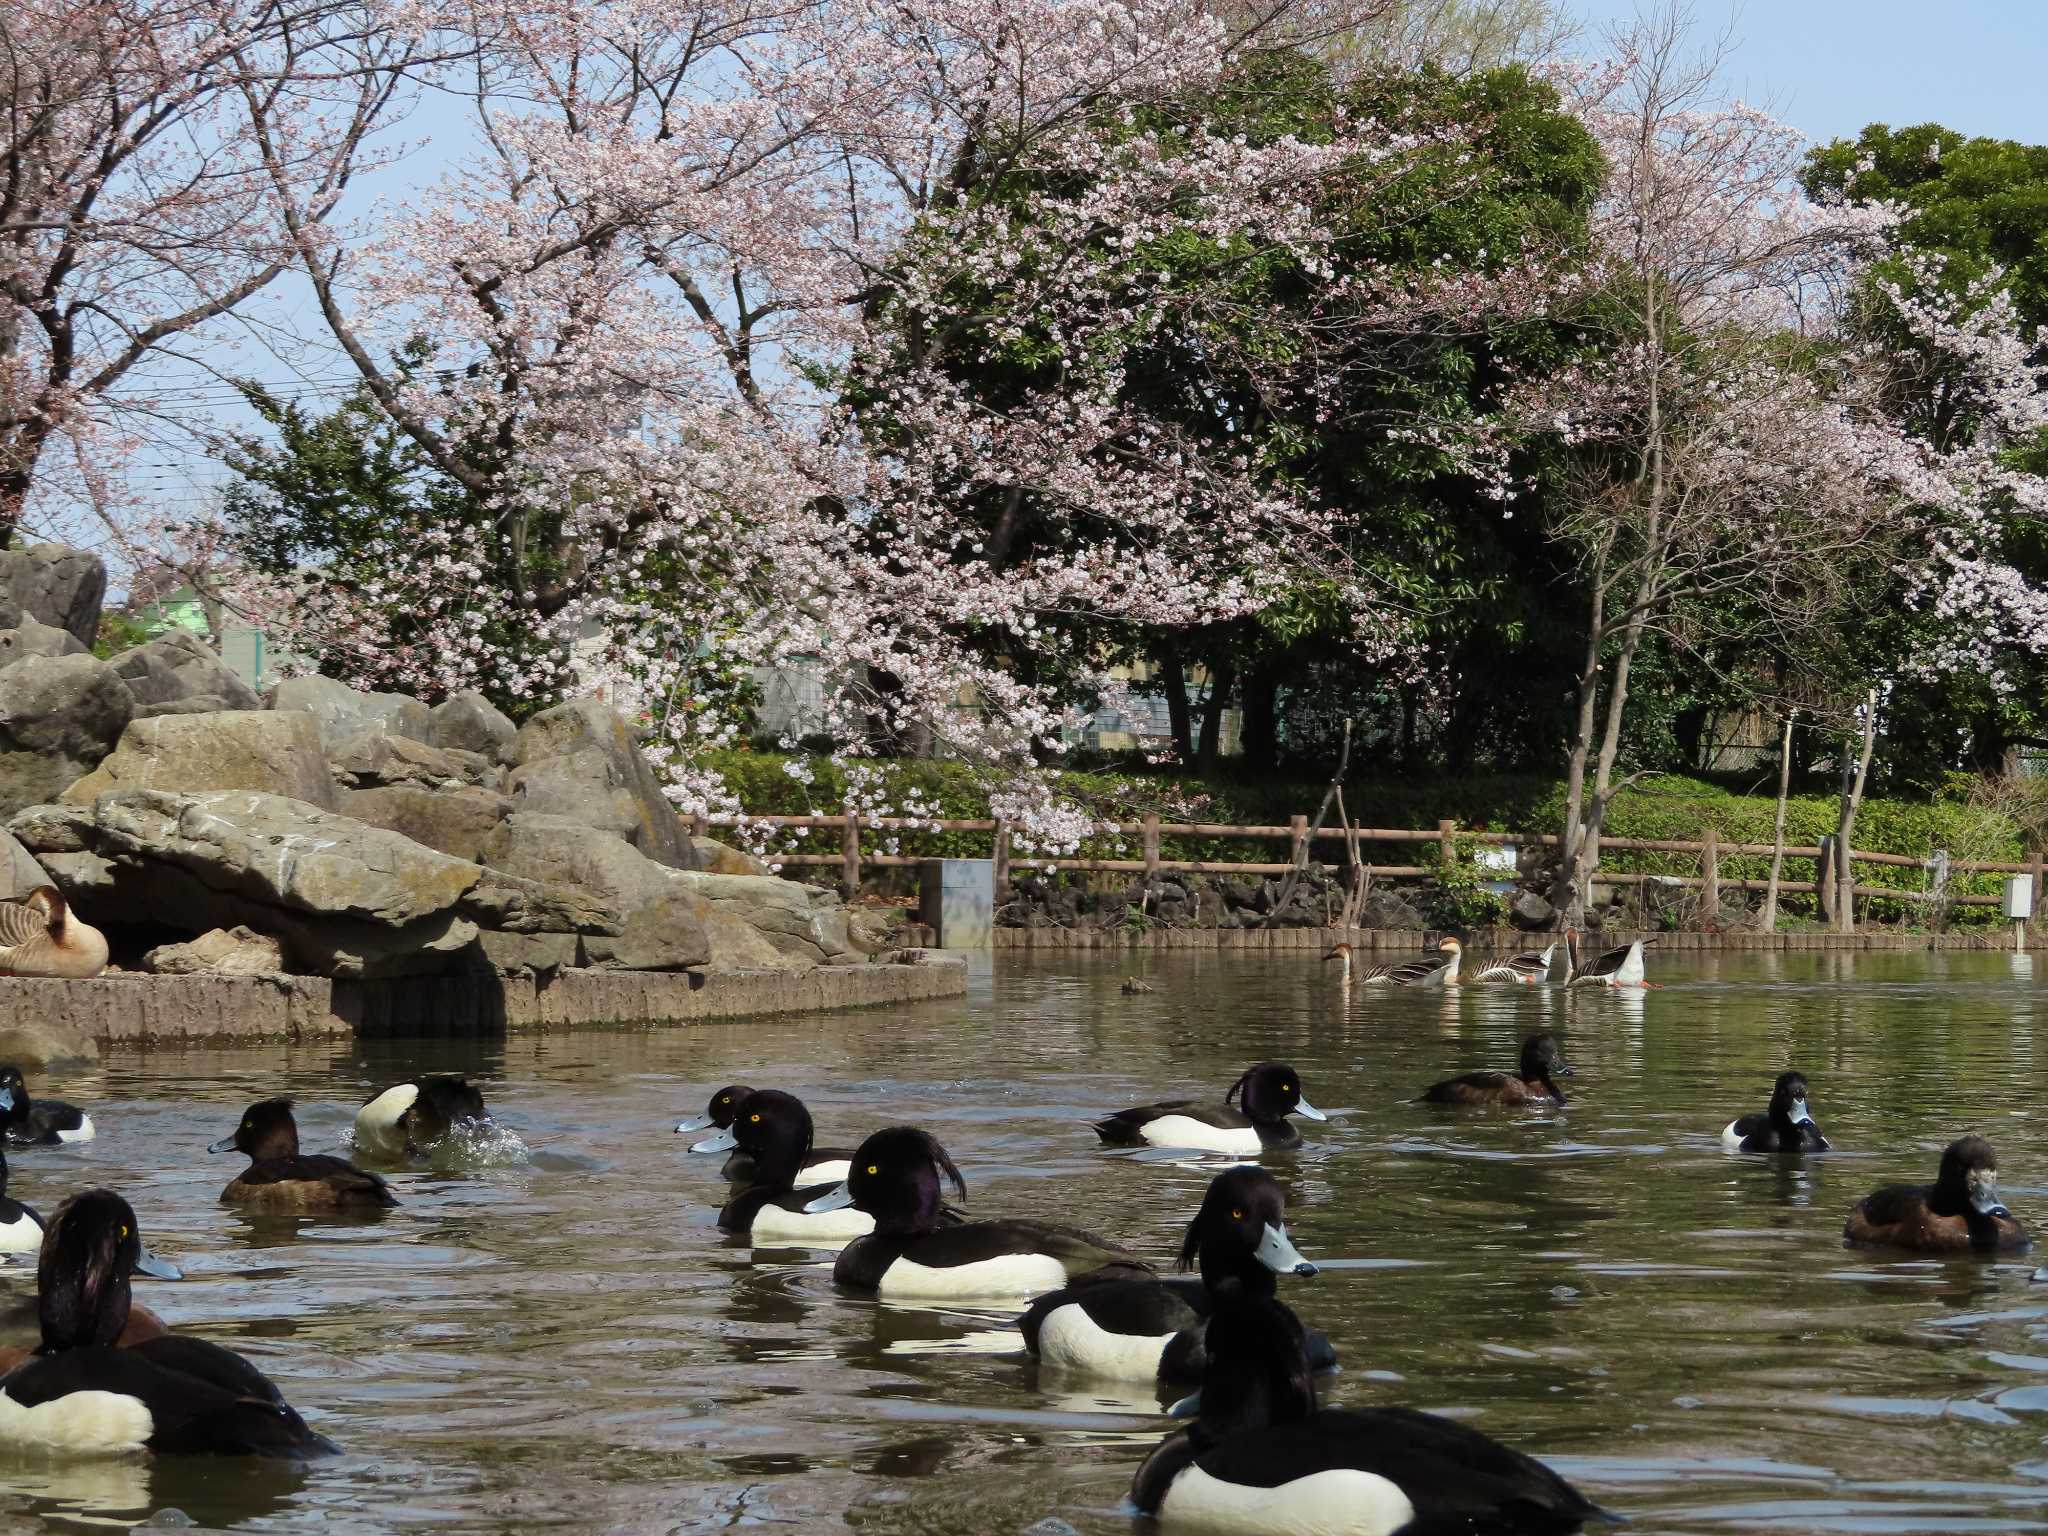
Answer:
(40, 937)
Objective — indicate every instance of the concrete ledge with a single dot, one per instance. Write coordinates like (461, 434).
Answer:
(1411, 941)
(168, 1009)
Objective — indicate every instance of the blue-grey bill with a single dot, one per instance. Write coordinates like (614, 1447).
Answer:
(6, 1098)
(1303, 1107)
(147, 1263)
(225, 1144)
(1280, 1255)
(694, 1123)
(724, 1141)
(1189, 1407)
(836, 1200)
(1799, 1113)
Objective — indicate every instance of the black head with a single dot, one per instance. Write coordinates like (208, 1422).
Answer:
(443, 1103)
(725, 1104)
(1257, 1371)
(1543, 1062)
(1788, 1099)
(267, 1130)
(1239, 1236)
(896, 1177)
(14, 1101)
(774, 1129)
(1269, 1093)
(90, 1248)
(1968, 1182)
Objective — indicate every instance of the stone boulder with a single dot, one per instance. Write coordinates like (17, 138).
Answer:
(469, 722)
(55, 585)
(1531, 912)
(800, 922)
(234, 951)
(345, 713)
(374, 760)
(19, 871)
(348, 900)
(271, 754)
(457, 821)
(580, 761)
(177, 667)
(59, 716)
(657, 926)
(716, 858)
(32, 637)
(36, 1044)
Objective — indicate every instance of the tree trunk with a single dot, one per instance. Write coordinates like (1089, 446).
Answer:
(1261, 718)
(1175, 679)
(1222, 680)
(1770, 918)
(1567, 892)
(1853, 780)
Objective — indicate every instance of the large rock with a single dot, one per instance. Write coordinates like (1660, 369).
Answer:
(513, 904)
(54, 585)
(716, 858)
(457, 822)
(19, 871)
(348, 900)
(657, 925)
(32, 637)
(1531, 911)
(234, 951)
(580, 761)
(42, 1046)
(177, 667)
(469, 722)
(802, 924)
(271, 754)
(59, 715)
(345, 713)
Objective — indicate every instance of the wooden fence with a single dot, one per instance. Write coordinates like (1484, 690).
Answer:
(1447, 836)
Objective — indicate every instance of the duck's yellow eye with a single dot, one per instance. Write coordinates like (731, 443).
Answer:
(725, 1098)
(754, 1119)
(1288, 1088)
(124, 1232)
(874, 1168)
(1237, 1215)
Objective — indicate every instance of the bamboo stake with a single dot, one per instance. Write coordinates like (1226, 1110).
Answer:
(1778, 829)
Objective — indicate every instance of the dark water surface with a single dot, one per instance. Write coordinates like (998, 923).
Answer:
(561, 1339)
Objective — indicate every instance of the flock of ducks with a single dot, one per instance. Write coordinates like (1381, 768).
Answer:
(1255, 1452)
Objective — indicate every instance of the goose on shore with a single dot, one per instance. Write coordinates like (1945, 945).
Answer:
(40, 937)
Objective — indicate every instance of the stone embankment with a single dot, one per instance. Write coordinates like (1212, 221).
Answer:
(322, 858)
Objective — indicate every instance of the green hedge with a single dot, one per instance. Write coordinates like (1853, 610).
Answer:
(1663, 808)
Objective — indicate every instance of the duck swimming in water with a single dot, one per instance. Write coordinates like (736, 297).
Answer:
(279, 1177)
(80, 1394)
(1960, 1212)
(1265, 1096)
(1262, 1459)
(38, 1122)
(821, 1165)
(409, 1118)
(1535, 1082)
(21, 1229)
(773, 1129)
(914, 1255)
(1151, 1330)
(40, 937)
(1786, 1126)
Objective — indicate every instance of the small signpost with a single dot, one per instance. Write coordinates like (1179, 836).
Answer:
(2019, 906)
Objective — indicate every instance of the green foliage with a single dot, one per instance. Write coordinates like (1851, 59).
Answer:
(1458, 898)
(117, 633)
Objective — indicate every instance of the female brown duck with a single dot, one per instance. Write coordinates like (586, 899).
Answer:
(279, 1177)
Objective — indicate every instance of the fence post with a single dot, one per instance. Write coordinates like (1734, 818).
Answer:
(1297, 832)
(2039, 894)
(1151, 848)
(849, 853)
(1445, 831)
(1000, 856)
(1710, 874)
(700, 824)
(1824, 879)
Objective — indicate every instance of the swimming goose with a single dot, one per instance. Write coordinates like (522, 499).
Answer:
(1262, 1459)
(1436, 972)
(81, 1394)
(1526, 969)
(40, 937)
(1621, 967)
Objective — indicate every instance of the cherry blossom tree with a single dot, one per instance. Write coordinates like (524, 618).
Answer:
(657, 294)
(136, 207)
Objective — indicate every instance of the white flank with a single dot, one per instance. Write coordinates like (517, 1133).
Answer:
(773, 1224)
(1631, 972)
(1729, 1136)
(1200, 1136)
(377, 1121)
(1069, 1339)
(827, 1173)
(83, 1133)
(21, 1235)
(81, 1423)
(1012, 1274)
(1339, 1502)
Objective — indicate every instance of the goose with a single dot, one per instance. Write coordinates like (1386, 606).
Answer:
(40, 937)
(1406, 973)
(1622, 967)
(1526, 969)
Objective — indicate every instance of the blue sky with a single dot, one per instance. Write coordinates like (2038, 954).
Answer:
(1828, 67)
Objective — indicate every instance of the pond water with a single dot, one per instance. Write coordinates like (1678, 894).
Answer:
(557, 1336)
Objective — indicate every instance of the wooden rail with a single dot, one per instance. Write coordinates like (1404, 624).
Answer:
(1149, 832)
